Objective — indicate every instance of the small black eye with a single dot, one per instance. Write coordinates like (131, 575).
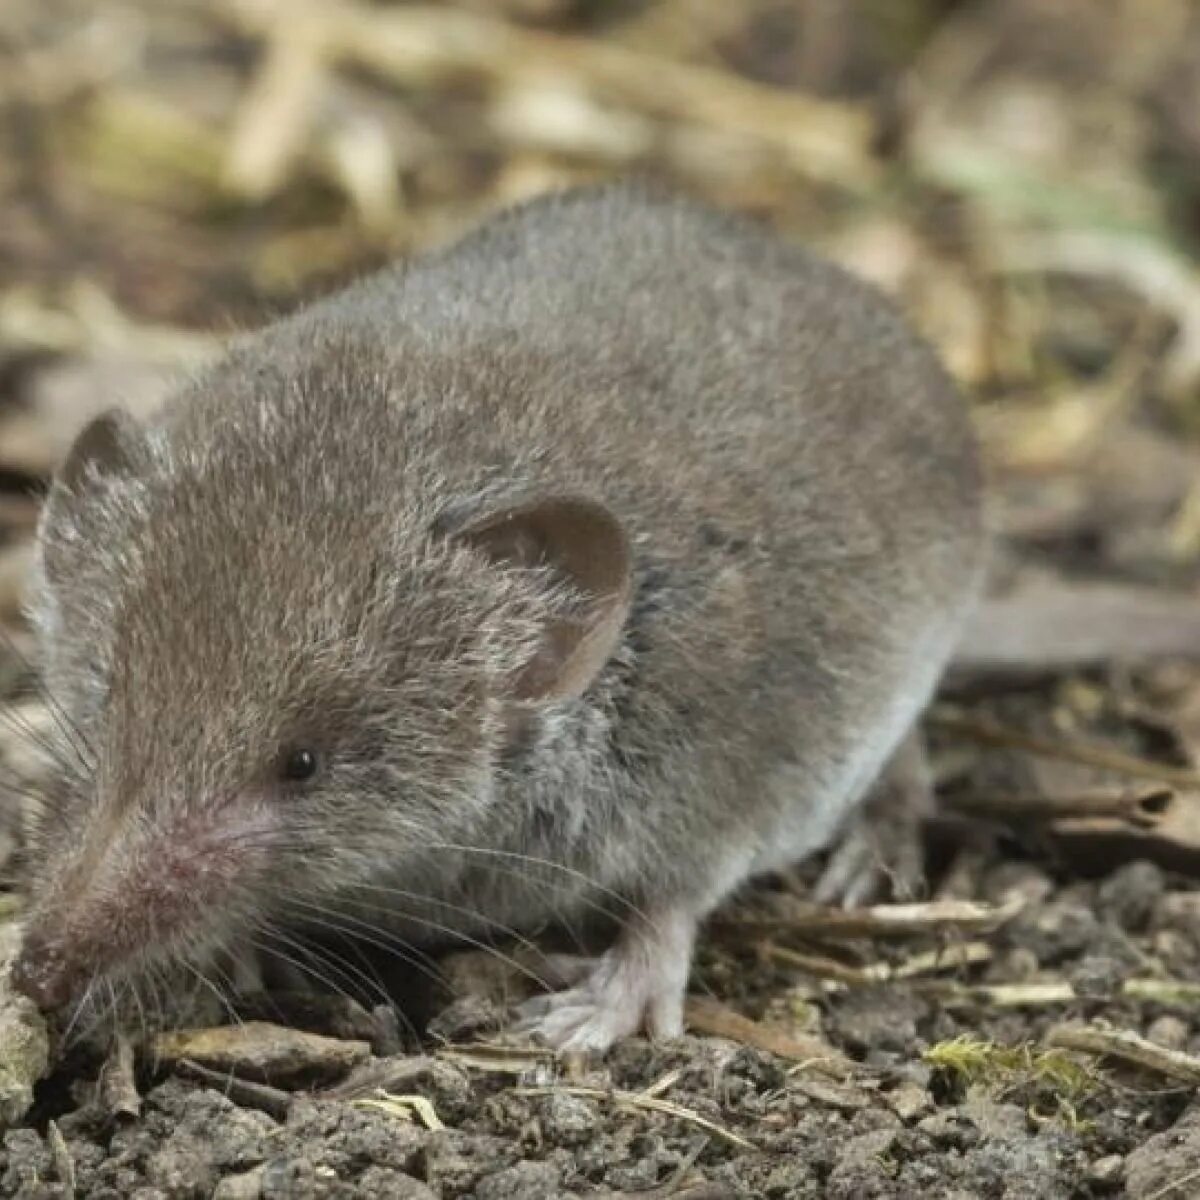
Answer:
(298, 766)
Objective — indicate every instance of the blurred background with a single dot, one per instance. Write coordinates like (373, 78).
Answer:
(1023, 174)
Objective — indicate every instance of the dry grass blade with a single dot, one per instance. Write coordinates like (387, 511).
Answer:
(275, 115)
(664, 1083)
(1000, 995)
(682, 1185)
(419, 44)
(1043, 994)
(1129, 1047)
(945, 958)
(885, 921)
(501, 1060)
(1176, 1186)
(892, 920)
(822, 965)
(650, 1103)
(88, 321)
(404, 1107)
(64, 1162)
(1162, 991)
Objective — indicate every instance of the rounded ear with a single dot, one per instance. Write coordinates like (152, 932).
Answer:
(108, 446)
(584, 546)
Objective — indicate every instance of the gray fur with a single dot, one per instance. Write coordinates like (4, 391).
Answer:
(792, 468)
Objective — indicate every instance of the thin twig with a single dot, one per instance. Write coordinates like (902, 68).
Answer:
(880, 920)
(944, 958)
(1162, 991)
(502, 1060)
(1102, 757)
(1128, 1046)
(1144, 808)
(1039, 994)
(272, 1101)
(999, 995)
(1174, 1185)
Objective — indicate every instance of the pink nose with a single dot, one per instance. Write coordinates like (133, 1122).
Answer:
(43, 973)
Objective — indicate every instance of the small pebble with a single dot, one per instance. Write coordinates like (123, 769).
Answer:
(949, 1128)
(1097, 975)
(569, 1120)
(909, 1101)
(1106, 1170)
(1013, 880)
(1178, 910)
(1017, 965)
(1168, 1031)
(24, 1055)
(1171, 946)
(1131, 894)
(246, 1186)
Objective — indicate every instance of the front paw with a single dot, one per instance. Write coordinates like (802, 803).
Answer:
(636, 986)
(591, 1017)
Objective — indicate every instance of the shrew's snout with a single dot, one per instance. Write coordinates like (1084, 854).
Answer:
(129, 898)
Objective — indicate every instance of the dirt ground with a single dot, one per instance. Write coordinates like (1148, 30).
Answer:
(1025, 176)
